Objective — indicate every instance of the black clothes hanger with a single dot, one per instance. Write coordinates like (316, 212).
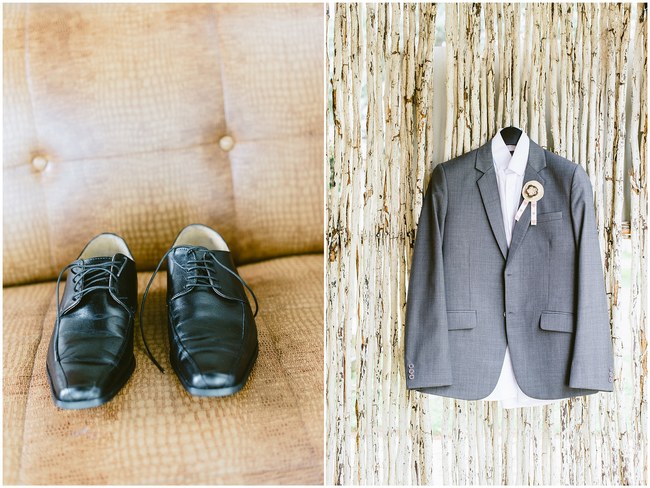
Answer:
(511, 135)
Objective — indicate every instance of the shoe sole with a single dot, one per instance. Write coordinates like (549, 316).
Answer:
(217, 392)
(95, 402)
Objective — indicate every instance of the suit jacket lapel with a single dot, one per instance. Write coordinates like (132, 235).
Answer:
(536, 162)
(487, 185)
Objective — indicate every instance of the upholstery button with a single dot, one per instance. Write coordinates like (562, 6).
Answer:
(226, 143)
(39, 163)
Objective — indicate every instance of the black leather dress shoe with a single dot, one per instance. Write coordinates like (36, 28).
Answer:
(90, 356)
(212, 333)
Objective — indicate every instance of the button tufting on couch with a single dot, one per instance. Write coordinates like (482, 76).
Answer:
(139, 120)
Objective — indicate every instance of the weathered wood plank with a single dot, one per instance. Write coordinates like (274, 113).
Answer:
(505, 64)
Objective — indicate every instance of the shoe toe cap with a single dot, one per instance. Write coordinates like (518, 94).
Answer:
(213, 379)
(83, 384)
(78, 393)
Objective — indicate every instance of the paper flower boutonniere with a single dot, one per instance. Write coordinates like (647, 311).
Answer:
(532, 192)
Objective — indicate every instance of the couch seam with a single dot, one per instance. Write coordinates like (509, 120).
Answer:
(224, 109)
(30, 91)
(249, 262)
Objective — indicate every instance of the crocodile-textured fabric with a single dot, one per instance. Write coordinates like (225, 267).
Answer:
(139, 119)
(163, 115)
(153, 431)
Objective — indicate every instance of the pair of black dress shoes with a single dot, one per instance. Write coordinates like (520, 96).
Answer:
(211, 326)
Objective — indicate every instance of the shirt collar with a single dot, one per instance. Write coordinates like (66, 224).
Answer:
(502, 158)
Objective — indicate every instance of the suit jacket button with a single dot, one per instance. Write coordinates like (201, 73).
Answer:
(411, 366)
(411, 377)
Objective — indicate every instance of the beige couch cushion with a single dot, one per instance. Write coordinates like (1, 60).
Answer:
(115, 119)
(153, 432)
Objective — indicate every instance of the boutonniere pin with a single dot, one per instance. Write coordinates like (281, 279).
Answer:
(532, 192)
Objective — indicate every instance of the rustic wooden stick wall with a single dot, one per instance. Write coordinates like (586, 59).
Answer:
(560, 71)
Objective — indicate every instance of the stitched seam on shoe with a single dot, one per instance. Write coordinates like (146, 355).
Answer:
(180, 343)
(121, 351)
(243, 334)
(118, 356)
(184, 291)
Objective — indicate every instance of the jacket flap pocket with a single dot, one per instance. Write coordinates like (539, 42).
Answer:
(461, 319)
(556, 321)
(545, 217)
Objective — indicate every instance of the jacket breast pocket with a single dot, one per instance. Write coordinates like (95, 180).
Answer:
(546, 217)
(556, 321)
(461, 319)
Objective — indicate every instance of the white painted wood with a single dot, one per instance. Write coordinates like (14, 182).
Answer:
(576, 61)
(638, 226)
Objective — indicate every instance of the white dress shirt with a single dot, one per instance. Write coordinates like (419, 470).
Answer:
(510, 180)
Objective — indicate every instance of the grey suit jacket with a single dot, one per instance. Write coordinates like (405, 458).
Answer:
(469, 294)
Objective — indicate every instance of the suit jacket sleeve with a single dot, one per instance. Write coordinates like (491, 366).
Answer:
(592, 362)
(426, 340)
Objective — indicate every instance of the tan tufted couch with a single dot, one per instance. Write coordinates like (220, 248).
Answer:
(139, 120)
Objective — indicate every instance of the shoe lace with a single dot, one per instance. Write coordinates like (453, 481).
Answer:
(199, 270)
(88, 278)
